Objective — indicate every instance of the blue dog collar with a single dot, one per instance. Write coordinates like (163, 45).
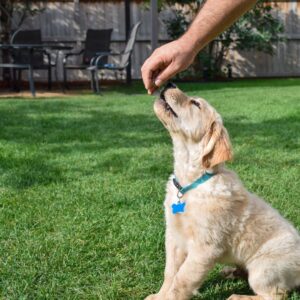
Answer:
(182, 190)
(180, 206)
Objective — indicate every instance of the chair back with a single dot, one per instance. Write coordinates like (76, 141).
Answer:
(96, 41)
(129, 46)
(22, 56)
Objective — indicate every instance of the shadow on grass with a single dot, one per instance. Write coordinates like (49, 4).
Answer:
(27, 171)
(63, 128)
(268, 134)
(38, 134)
(96, 130)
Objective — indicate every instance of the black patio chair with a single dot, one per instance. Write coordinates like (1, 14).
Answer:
(99, 62)
(36, 58)
(96, 41)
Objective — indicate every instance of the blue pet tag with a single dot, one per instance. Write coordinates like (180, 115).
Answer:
(178, 207)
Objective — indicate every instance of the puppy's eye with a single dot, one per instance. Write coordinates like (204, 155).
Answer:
(194, 102)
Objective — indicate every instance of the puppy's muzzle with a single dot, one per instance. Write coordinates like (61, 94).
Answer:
(169, 85)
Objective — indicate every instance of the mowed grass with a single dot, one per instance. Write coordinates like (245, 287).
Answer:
(82, 183)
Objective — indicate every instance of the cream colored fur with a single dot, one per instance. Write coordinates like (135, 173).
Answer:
(223, 222)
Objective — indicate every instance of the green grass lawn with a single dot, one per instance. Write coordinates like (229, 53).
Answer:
(82, 183)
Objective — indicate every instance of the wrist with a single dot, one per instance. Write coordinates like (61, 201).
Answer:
(191, 44)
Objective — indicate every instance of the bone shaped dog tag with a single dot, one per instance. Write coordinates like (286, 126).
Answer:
(178, 207)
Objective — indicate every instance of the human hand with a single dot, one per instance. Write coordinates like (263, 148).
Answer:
(165, 62)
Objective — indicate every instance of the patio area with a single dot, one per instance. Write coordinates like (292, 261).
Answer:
(72, 227)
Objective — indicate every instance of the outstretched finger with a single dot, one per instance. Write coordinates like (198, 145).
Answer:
(165, 75)
(149, 71)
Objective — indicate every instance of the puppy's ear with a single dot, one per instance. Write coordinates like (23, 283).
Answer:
(217, 146)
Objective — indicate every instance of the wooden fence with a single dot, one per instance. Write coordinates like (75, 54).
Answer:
(67, 22)
(286, 61)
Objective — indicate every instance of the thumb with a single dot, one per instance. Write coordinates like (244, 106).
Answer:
(165, 75)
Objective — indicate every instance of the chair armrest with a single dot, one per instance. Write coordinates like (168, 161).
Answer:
(48, 54)
(102, 54)
(95, 60)
(71, 54)
(99, 55)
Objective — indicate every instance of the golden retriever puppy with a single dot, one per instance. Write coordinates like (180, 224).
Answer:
(210, 217)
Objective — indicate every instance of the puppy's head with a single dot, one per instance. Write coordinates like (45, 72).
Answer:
(194, 121)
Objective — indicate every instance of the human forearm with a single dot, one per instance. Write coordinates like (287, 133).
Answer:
(213, 18)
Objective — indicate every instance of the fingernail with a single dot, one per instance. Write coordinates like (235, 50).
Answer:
(149, 92)
(158, 82)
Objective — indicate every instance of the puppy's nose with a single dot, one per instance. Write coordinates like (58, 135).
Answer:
(170, 85)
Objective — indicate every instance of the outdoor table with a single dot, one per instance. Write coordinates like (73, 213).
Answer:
(31, 48)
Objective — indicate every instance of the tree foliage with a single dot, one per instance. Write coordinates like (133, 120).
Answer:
(12, 16)
(14, 13)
